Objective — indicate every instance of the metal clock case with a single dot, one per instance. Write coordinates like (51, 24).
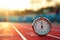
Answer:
(41, 26)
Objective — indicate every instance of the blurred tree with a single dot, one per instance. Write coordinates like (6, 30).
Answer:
(16, 12)
(48, 0)
(40, 11)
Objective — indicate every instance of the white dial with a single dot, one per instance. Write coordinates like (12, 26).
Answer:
(41, 27)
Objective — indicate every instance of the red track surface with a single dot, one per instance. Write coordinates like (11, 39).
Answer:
(24, 31)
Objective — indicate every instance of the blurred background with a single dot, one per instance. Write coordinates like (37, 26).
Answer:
(29, 10)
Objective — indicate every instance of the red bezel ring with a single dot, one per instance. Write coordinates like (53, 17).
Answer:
(41, 18)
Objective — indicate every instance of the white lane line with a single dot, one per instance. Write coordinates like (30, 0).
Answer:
(53, 36)
(19, 32)
(56, 30)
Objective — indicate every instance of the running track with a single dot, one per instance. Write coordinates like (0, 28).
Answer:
(24, 31)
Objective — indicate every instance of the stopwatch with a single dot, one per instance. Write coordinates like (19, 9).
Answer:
(41, 26)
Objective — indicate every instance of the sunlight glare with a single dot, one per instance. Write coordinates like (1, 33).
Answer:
(15, 4)
(4, 25)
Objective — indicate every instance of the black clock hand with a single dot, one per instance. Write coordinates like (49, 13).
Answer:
(41, 25)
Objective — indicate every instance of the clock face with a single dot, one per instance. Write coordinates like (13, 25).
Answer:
(41, 26)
